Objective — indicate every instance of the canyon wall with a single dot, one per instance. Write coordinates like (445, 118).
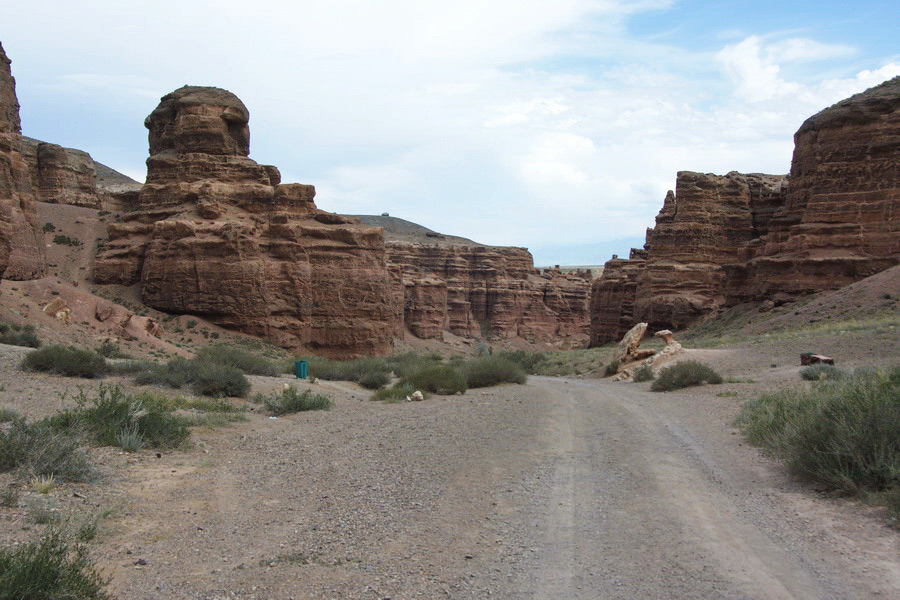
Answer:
(215, 234)
(723, 240)
(21, 240)
(478, 291)
(841, 220)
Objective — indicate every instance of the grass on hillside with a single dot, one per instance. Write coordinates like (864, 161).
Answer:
(65, 360)
(19, 335)
(842, 433)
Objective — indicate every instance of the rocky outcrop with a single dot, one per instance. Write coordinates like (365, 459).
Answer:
(720, 241)
(214, 233)
(841, 221)
(679, 277)
(492, 292)
(21, 241)
(61, 175)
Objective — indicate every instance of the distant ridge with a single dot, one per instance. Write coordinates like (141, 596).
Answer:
(401, 230)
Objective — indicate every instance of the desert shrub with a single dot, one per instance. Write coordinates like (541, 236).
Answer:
(103, 419)
(49, 569)
(408, 363)
(231, 356)
(398, 392)
(65, 360)
(529, 361)
(176, 373)
(65, 240)
(38, 449)
(130, 367)
(374, 380)
(346, 370)
(219, 380)
(485, 371)
(109, 350)
(8, 414)
(842, 432)
(291, 400)
(439, 379)
(820, 371)
(19, 335)
(48, 227)
(612, 368)
(684, 374)
(643, 373)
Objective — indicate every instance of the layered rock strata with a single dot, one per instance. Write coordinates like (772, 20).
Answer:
(490, 292)
(841, 221)
(21, 241)
(214, 233)
(61, 175)
(679, 276)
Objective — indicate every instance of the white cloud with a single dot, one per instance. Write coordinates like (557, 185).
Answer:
(519, 122)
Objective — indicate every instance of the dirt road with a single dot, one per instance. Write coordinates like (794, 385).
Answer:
(564, 489)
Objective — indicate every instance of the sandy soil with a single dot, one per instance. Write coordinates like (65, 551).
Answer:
(561, 488)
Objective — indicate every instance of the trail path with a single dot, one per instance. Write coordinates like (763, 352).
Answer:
(561, 489)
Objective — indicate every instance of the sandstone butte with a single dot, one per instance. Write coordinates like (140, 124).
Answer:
(724, 240)
(21, 240)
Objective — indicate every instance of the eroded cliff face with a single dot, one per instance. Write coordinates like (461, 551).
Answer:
(21, 241)
(720, 241)
(841, 221)
(214, 233)
(490, 292)
(679, 276)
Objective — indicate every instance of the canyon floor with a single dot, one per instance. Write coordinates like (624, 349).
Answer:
(560, 488)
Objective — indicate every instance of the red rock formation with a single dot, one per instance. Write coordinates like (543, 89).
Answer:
(21, 241)
(473, 290)
(612, 298)
(215, 234)
(61, 175)
(841, 222)
(679, 277)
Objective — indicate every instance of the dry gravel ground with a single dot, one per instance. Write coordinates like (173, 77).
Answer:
(562, 488)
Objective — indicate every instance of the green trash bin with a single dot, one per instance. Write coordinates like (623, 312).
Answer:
(300, 368)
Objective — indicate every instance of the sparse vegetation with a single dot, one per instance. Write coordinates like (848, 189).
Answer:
(48, 227)
(37, 449)
(19, 335)
(486, 371)
(839, 432)
(612, 368)
(374, 380)
(398, 392)
(51, 568)
(643, 373)
(821, 371)
(103, 419)
(291, 400)
(439, 379)
(205, 378)
(65, 360)
(231, 356)
(64, 240)
(685, 374)
(8, 414)
(110, 350)
(43, 484)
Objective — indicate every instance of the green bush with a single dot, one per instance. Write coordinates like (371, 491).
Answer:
(398, 392)
(231, 356)
(65, 240)
(842, 432)
(130, 367)
(38, 449)
(439, 379)
(684, 374)
(218, 380)
(485, 371)
(19, 335)
(109, 350)
(643, 373)
(104, 417)
(529, 361)
(49, 569)
(65, 360)
(820, 371)
(291, 400)
(8, 414)
(612, 368)
(374, 380)
(176, 373)
(408, 363)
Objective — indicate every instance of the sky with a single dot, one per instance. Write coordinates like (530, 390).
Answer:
(554, 125)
